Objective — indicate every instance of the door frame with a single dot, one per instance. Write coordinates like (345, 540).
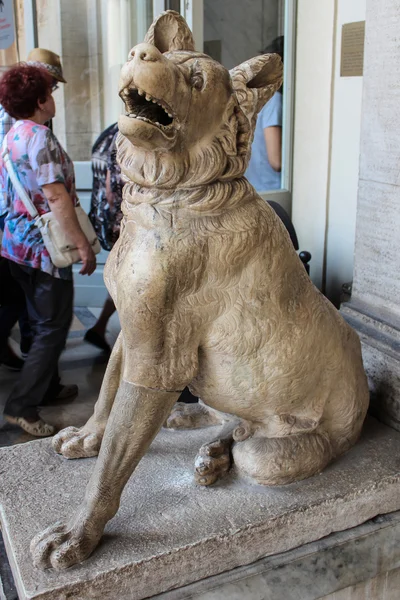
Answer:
(284, 195)
(30, 25)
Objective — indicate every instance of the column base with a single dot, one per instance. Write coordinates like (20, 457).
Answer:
(379, 331)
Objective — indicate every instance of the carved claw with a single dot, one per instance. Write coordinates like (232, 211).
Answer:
(61, 546)
(77, 443)
(213, 461)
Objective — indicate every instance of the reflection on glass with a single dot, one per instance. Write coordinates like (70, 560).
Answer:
(234, 32)
(11, 28)
(93, 39)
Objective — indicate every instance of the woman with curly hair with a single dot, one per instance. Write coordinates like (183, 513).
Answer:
(46, 172)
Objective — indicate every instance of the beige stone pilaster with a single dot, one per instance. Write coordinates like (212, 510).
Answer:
(374, 309)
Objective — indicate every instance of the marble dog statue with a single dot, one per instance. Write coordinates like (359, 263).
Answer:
(210, 295)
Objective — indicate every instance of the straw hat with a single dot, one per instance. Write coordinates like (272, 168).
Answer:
(38, 57)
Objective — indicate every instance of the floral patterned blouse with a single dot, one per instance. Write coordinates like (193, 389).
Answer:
(38, 159)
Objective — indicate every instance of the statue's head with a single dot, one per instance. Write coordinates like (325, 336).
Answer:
(183, 102)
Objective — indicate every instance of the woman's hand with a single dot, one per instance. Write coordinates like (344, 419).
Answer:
(88, 259)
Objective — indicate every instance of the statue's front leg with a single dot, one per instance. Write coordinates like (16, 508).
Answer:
(85, 441)
(136, 417)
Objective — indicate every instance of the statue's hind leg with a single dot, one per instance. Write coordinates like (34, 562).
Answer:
(213, 459)
(277, 461)
(84, 442)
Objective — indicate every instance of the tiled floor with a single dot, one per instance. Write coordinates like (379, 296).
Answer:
(80, 363)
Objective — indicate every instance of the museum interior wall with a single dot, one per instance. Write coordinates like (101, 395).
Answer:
(326, 142)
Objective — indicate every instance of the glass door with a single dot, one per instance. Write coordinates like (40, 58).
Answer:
(12, 33)
(232, 32)
(93, 38)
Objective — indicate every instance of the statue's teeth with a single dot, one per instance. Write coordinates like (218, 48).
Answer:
(141, 92)
(154, 101)
(169, 114)
(148, 97)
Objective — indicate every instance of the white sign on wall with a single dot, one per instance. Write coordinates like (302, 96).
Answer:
(7, 33)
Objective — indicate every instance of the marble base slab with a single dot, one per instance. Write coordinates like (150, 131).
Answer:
(168, 532)
(341, 561)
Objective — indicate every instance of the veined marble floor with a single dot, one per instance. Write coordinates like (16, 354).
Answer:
(81, 363)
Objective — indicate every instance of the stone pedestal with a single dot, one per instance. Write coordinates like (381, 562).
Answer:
(374, 309)
(351, 565)
(170, 533)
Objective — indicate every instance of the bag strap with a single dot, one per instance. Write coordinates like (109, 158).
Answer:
(22, 194)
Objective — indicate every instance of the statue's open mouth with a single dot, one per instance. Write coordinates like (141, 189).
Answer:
(142, 106)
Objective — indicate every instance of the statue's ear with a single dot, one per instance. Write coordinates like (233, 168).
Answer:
(256, 81)
(169, 31)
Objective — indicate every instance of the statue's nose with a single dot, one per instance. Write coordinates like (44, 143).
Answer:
(146, 52)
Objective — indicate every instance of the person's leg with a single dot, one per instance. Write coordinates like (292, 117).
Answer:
(96, 335)
(8, 318)
(49, 302)
(26, 332)
(9, 359)
(12, 302)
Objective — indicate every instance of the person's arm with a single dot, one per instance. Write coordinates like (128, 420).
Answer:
(60, 204)
(112, 170)
(271, 121)
(109, 192)
(273, 144)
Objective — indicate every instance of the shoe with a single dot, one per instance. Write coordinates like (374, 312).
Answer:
(9, 359)
(25, 346)
(39, 428)
(97, 340)
(67, 391)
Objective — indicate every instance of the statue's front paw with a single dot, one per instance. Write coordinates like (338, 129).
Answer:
(77, 443)
(61, 546)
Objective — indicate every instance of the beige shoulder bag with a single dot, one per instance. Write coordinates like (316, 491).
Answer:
(61, 249)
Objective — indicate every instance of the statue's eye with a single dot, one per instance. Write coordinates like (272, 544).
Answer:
(197, 80)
